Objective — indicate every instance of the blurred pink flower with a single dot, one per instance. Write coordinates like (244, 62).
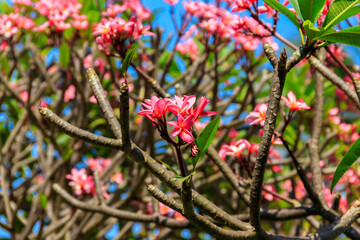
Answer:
(24, 95)
(333, 116)
(69, 93)
(81, 182)
(347, 133)
(258, 116)
(117, 177)
(23, 2)
(99, 163)
(235, 149)
(294, 104)
(84, 184)
(188, 47)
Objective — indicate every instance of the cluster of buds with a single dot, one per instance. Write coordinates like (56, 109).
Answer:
(156, 110)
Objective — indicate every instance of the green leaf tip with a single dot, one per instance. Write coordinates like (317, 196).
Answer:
(205, 138)
(126, 63)
(350, 157)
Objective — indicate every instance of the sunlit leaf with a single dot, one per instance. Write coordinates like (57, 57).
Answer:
(339, 11)
(127, 60)
(349, 36)
(350, 157)
(182, 179)
(284, 10)
(295, 4)
(64, 55)
(43, 200)
(311, 9)
(204, 139)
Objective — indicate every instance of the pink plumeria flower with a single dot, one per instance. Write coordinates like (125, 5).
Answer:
(117, 177)
(69, 93)
(183, 128)
(258, 116)
(99, 163)
(156, 108)
(235, 149)
(181, 105)
(198, 111)
(294, 104)
(80, 181)
(334, 116)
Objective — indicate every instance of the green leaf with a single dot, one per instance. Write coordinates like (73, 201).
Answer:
(64, 55)
(127, 61)
(68, 33)
(311, 9)
(204, 139)
(350, 157)
(43, 200)
(295, 4)
(339, 11)
(182, 179)
(284, 10)
(170, 168)
(310, 30)
(349, 36)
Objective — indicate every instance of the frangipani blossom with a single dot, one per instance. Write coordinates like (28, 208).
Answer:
(84, 184)
(81, 182)
(183, 127)
(182, 105)
(99, 164)
(294, 104)
(334, 116)
(258, 116)
(235, 149)
(156, 109)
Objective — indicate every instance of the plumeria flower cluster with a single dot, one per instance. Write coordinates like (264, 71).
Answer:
(135, 6)
(347, 132)
(83, 182)
(12, 23)
(114, 32)
(259, 114)
(244, 151)
(245, 31)
(188, 47)
(60, 15)
(183, 108)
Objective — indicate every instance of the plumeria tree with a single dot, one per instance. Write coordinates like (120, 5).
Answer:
(223, 129)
